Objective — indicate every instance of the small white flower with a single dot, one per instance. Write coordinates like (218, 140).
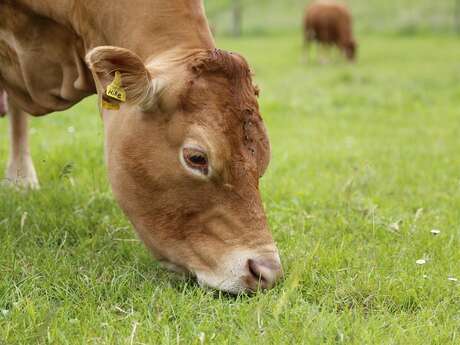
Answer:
(420, 262)
(452, 279)
(202, 337)
(5, 312)
(435, 232)
(71, 129)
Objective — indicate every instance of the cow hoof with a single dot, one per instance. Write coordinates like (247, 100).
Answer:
(25, 178)
(23, 183)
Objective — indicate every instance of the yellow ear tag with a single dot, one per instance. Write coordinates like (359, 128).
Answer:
(115, 89)
(110, 106)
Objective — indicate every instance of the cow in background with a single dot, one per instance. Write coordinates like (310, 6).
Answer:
(329, 23)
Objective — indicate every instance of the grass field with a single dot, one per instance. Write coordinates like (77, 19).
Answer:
(365, 164)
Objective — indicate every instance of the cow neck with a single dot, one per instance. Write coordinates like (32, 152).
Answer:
(146, 27)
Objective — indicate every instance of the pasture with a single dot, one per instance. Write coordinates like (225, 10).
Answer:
(365, 164)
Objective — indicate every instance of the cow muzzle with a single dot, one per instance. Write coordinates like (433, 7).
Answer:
(244, 272)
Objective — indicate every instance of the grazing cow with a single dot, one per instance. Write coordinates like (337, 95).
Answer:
(330, 23)
(185, 143)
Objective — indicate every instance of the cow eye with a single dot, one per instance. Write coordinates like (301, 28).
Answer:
(196, 160)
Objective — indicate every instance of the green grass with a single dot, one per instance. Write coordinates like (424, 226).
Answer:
(356, 150)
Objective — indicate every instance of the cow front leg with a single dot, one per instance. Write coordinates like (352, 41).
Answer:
(2, 103)
(20, 171)
(307, 45)
(324, 53)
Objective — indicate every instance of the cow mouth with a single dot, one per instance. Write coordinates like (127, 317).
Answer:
(244, 271)
(239, 272)
(182, 271)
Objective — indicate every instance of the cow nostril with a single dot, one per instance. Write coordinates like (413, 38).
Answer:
(264, 273)
(255, 272)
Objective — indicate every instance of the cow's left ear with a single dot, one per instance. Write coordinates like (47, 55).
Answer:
(136, 82)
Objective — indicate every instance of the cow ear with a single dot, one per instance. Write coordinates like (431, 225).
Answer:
(110, 63)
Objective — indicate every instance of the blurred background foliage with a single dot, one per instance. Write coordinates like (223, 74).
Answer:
(387, 16)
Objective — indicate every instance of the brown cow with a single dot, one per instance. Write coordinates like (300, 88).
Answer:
(330, 23)
(185, 144)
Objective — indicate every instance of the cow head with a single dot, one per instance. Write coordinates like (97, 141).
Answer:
(185, 154)
(350, 50)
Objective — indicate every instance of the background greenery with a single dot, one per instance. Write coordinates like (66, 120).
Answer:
(365, 164)
(395, 16)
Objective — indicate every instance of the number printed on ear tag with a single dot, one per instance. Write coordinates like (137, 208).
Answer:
(115, 89)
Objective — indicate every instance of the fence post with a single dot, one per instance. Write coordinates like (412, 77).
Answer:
(457, 16)
(237, 17)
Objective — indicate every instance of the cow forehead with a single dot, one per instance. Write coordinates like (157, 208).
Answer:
(244, 144)
(239, 125)
(219, 96)
(225, 75)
